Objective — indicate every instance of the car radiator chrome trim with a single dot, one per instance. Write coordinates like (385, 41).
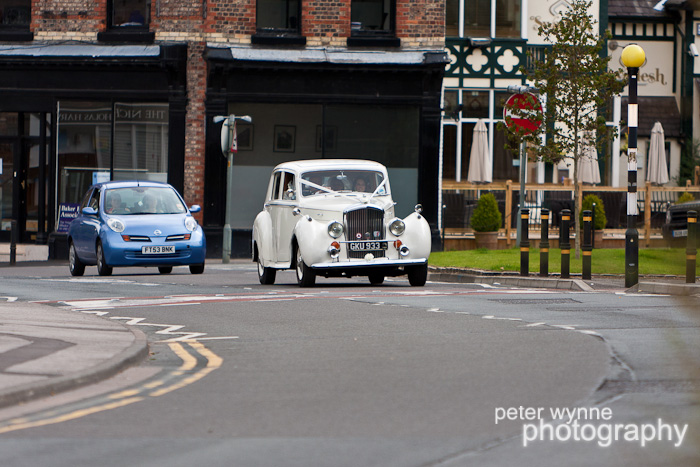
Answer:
(364, 224)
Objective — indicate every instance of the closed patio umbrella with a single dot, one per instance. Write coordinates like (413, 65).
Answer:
(657, 171)
(588, 170)
(480, 165)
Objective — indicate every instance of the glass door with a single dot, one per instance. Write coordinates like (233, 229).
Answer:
(24, 173)
(8, 151)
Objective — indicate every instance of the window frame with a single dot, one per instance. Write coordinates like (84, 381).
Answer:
(375, 37)
(17, 32)
(278, 36)
(493, 21)
(128, 32)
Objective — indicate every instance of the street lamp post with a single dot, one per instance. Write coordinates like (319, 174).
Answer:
(633, 57)
(229, 148)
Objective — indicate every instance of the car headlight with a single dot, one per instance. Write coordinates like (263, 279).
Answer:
(190, 224)
(116, 224)
(397, 227)
(335, 229)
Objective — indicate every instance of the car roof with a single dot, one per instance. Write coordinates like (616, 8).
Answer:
(330, 164)
(130, 184)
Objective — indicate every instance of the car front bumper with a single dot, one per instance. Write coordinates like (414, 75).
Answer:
(121, 253)
(363, 264)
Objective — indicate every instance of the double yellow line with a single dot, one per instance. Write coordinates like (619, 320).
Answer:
(183, 375)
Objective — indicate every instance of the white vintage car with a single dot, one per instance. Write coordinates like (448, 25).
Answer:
(336, 218)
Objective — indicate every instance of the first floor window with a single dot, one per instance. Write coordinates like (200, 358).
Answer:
(129, 13)
(278, 16)
(15, 14)
(479, 20)
(372, 17)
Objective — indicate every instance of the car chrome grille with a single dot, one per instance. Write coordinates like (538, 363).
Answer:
(366, 223)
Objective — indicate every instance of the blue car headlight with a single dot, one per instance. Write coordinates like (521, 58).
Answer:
(116, 224)
(190, 224)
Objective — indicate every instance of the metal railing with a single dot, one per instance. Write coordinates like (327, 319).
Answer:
(459, 200)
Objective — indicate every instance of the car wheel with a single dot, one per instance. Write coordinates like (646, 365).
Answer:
(77, 268)
(266, 275)
(197, 268)
(102, 268)
(376, 278)
(165, 269)
(417, 275)
(305, 275)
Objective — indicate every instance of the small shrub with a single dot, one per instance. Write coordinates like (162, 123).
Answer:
(587, 205)
(486, 216)
(685, 197)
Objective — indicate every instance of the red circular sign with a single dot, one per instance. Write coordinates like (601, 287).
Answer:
(527, 102)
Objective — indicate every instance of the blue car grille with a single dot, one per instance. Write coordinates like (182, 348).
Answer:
(185, 253)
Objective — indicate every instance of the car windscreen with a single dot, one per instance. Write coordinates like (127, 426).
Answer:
(143, 200)
(349, 181)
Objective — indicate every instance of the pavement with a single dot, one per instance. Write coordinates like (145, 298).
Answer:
(45, 350)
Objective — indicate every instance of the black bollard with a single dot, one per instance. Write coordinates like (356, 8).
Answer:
(524, 243)
(564, 243)
(544, 243)
(13, 242)
(691, 247)
(587, 246)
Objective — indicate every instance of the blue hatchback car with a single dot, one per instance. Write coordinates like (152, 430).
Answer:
(135, 223)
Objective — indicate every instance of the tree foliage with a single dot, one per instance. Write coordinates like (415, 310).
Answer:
(574, 80)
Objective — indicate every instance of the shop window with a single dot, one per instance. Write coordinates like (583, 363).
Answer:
(477, 18)
(85, 151)
(388, 134)
(141, 142)
(278, 21)
(15, 17)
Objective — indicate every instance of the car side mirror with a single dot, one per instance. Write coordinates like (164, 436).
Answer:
(296, 211)
(195, 208)
(88, 211)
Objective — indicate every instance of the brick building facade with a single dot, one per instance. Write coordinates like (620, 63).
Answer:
(82, 75)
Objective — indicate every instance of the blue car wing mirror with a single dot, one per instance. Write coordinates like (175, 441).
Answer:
(195, 208)
(88, 211)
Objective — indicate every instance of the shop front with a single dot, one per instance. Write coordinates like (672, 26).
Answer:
(308, 104)
(74, 115)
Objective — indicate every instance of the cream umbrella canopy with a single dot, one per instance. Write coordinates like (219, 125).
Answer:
(588, 170)
(657, 171)
(480, 165)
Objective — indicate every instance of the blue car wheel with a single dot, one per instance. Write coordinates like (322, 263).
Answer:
(102, 268)
(77, 267)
